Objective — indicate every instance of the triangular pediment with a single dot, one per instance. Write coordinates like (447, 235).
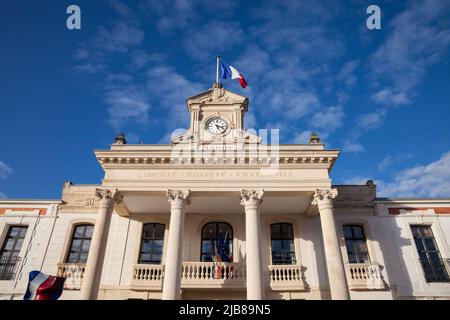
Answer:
(217, 96)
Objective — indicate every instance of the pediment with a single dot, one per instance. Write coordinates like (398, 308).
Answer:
(217, 96)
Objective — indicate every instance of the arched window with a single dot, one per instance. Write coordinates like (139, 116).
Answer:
(152, 243)
(80, 243)
(355, 242)
(217, 242)
(282, 243)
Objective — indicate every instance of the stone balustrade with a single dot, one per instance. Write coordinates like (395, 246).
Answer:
(73, 272)
(148, 276)
(209, 274)
(286, 277)
(364, 276)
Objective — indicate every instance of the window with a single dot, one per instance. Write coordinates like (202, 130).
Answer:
(430, 257)
(217, 241)
(152, 243)
(9, 253)
(80, 243)
(355, 242)
(282, 243)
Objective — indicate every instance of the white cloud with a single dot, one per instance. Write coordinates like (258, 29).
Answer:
(347, 72)
(125, 105)
(120, 38)
(170, 90)
(5, 170)
(213, 38)
(302, 137)
(89, 68)
(418, 38)
(81, 54)
(371, 120)
(356, 180)
(121, 8)
(386, 96)
(431, 180)
(3, 196)
(386, 162)
(389, 161)
(328, 119)
(353, 147)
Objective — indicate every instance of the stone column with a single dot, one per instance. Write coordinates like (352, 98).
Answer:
(251, 200)
(178, 200)
(94, 265)
(335, 265)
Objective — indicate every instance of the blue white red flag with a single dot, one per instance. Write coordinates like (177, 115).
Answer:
(43, 287)
(229, 72)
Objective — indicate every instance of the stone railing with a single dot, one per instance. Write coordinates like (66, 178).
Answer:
(193, 275)
(209, 274)
(73, 272)
(284, 277)
(364, 276)
(148, 276)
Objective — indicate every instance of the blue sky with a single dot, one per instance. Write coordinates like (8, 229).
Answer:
(380, 96)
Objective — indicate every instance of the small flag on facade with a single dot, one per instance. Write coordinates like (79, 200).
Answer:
(43, 287)
(229, 72)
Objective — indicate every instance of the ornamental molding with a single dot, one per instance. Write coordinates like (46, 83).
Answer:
(252, 197)
(108, 195)
(179, 196)
(324, 195)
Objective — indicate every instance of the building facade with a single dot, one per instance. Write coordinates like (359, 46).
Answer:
(221, 214)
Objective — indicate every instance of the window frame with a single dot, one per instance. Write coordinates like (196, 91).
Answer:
(72, 238)
(8, 266)
(437, 251)
(357, 253)
(231, 237)
(282, 239)
(141, 246)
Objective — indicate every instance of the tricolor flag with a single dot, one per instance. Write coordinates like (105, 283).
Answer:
(43, 287)
(229, 72)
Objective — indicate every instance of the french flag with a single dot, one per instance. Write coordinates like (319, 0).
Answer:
(229, 72)
(43, 287)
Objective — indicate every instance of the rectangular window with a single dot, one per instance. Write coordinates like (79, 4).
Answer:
(429, 255)
(282, 243)
(355, 243)
(9, 253)
(152, 243)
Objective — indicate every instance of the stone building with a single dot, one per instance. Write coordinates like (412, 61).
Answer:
(221, 214)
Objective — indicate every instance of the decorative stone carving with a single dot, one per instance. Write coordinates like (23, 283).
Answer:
(251, 197)
(120, 139)
(108, 195)
(314, 139)
(324, 195)
(178, 197)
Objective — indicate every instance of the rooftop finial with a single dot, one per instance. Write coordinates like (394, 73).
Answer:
(314, 138)
(120, 139)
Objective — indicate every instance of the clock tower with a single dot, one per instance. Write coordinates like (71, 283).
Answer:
(217, 117)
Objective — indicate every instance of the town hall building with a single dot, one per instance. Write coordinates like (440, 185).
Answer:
(220, 213)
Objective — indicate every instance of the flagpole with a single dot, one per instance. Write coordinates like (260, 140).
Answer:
(217, 69)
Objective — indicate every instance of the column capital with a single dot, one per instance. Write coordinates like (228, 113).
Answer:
(108, 196)
(322, 196)
(178, 197)
(251, 197)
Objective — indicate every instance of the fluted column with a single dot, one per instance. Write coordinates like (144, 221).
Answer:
(178, 200)
(335, 266)
(94, 264)
(251, 200)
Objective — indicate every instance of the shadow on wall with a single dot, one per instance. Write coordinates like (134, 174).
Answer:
(309, 234)
(394, 248)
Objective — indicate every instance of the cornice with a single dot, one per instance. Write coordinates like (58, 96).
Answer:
(226, 159)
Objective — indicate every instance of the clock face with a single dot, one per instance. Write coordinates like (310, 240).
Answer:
(216, 125)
